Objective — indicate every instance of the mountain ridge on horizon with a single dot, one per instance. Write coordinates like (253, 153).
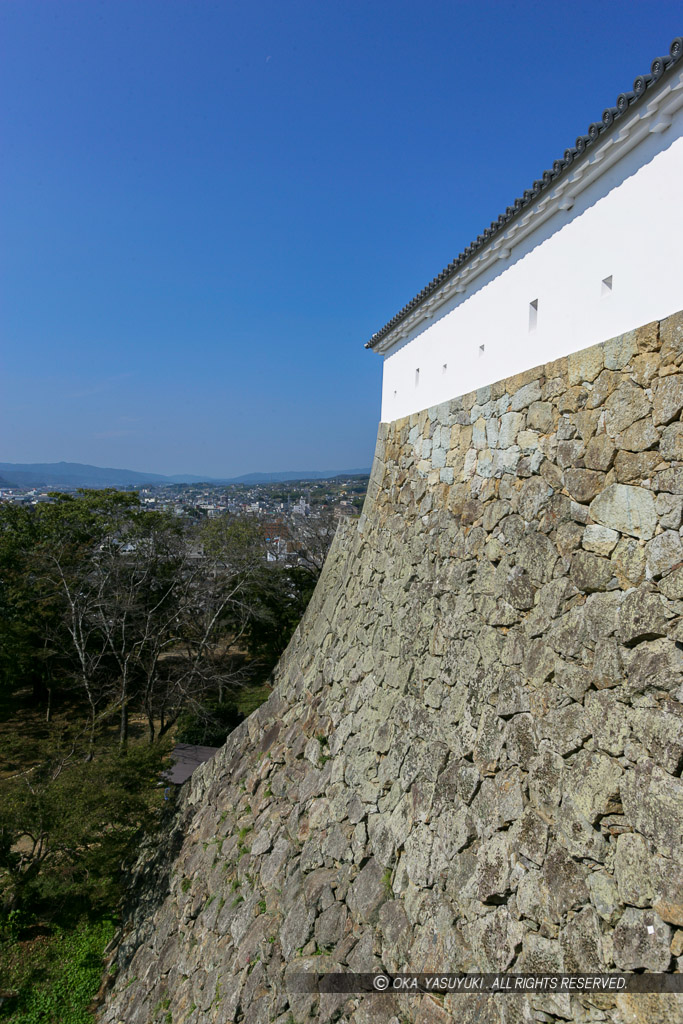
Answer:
(78, 474)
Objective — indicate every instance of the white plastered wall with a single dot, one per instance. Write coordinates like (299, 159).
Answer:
(626, 225)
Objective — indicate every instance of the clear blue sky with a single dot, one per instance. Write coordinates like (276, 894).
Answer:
(208, 207)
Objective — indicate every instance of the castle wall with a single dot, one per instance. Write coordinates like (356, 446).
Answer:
(472, 757)
(623, 227)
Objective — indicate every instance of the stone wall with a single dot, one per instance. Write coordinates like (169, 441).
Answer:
(471, 760)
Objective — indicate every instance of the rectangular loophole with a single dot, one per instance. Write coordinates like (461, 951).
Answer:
(533, 315)
(444, 367)
(606, 286)
(417, 376)
(482, 349)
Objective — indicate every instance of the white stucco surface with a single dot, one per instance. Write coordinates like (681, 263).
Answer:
(625, 224)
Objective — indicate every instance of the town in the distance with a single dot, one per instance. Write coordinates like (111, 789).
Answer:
(291, 513)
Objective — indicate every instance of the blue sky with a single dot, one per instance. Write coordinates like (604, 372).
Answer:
(208, 207)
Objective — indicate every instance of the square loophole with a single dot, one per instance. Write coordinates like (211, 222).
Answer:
(533, 315)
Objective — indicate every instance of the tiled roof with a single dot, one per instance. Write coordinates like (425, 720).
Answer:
(187, 757)
(660, 68)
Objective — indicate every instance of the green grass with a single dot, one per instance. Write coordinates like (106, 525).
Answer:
(54, 977)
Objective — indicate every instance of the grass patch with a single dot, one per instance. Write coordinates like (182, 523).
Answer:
(54, 976)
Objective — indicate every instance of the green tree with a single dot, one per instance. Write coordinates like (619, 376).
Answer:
(67, 823)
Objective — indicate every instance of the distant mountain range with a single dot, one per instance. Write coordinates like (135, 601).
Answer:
(75, 474)
(301, 474)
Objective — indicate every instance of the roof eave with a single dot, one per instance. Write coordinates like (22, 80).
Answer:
(585, 147)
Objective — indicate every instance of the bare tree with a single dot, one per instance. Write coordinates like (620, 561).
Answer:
(311, 538)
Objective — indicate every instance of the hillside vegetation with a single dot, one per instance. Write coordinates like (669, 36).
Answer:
(120, 627)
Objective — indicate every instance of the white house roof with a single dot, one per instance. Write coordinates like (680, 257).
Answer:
(662, 68)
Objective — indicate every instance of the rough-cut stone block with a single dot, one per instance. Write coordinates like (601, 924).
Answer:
(581, 943)
(600, 539)
(583, 484)
(368, 891)
(660, 731)
(589, 572)
(604, 895)
(671, 444)
(493, 870)
(668, 887)
(619, 351)
(625, 406)
(541, 417)
(632, 870)
(647, 337)
(626, 509)
(628, 559)
(653, 803)
(669, 480)
(653, 667)
(633, 467)
(524, 396)
(641, 940)
(669, 511)
(585, 365)
(645, 367)
(577, 835)
(595, 783)
(643, 616)
(664, 552)
(671, 339)
(639, 436)
(668, 399)
(672, 584)
(600, 452)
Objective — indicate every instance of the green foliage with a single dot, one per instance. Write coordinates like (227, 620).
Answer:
(108, 609)
(323, 757)
(54, 977)
(67, 823)
(279, 598)
(210, 725)
(129, 607)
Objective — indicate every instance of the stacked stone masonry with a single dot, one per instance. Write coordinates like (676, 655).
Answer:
(471, 760)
